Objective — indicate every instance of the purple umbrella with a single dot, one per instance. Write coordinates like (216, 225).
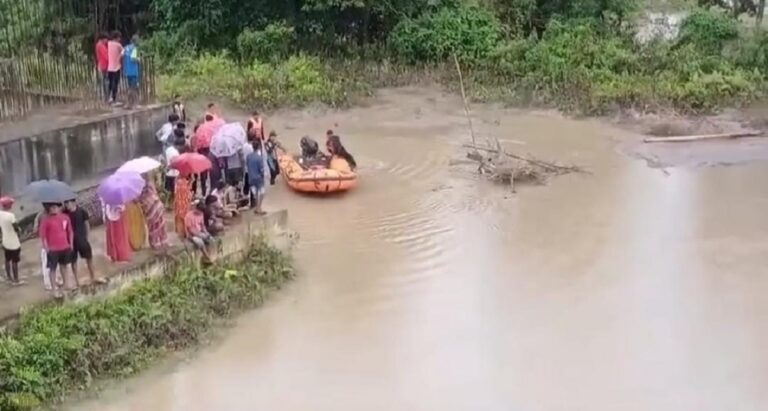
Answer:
(121, 188)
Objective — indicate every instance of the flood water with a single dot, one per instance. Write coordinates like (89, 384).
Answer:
(429, 288)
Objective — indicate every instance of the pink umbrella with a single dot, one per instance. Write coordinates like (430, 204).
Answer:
(205, 132)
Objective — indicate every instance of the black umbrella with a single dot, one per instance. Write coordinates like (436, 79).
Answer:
(50, 191)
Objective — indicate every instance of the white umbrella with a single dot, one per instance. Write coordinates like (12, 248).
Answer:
(139, 165)
(228, 140)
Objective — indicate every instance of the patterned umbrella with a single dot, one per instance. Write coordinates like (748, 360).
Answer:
(139, 165)
(121, 188)
(205, 132)
(228, 140)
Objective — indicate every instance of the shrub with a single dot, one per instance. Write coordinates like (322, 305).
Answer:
(472, 33)
(581, 67)
(168, 48)
(296, 81)
(58, 349)
(272, 44)
(708, 31)
(751, 52)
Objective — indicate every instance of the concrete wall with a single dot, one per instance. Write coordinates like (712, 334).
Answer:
(81, 154)
(146, 264)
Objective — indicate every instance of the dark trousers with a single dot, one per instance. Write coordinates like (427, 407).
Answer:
(104, 85)
(113, 77)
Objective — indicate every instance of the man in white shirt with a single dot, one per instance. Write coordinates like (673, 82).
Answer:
(10, 239)
(166, 131)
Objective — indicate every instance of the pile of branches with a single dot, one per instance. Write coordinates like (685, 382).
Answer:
(509, 168)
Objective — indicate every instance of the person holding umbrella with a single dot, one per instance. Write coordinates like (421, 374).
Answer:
(187, 164)
(116, 191)
(51, 193)
(56, 235)
(152, 208)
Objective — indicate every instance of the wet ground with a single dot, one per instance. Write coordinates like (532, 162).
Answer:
(429, 288)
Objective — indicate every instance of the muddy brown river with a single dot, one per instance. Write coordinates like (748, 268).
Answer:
(429, 288)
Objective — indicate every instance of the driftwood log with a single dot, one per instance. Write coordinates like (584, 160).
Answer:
(683, 139)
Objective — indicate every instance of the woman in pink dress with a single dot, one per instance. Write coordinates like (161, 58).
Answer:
(118, 246)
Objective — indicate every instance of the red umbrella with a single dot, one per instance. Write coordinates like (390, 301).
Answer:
(205, 132)
(191, 163)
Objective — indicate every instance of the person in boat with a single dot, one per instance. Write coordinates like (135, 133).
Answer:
(311, 156)
(340, 158)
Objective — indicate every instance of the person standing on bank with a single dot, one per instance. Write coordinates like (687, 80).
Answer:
(256, 174)
(102, 64)
(114, 64)
(81, 247)
(56, 236)
(131, 71)
(10, 240)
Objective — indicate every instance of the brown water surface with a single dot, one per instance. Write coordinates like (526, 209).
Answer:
(431, 289)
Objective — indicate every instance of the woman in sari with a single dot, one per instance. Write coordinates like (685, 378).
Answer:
(154, 214)
(118, 247)
(136, 225)
(181, 201)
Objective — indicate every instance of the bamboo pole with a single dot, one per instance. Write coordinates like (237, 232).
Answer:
(464, 99)
(683, 139)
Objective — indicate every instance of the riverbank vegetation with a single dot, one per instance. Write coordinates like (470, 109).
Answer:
(55, 350)
(583, 55)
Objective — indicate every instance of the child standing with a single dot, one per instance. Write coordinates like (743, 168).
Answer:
(10, 240)
(56, 235)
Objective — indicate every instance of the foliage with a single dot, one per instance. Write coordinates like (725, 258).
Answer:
(296, 81)
(750, 52)
(708, 31)
(472, 33)
(58, 349)
(272, 44)
(525, 17)
(579, 67)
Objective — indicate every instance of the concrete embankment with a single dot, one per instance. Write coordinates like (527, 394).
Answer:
(144, 264)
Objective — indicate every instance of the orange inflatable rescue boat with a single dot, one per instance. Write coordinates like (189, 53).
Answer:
(335, 178)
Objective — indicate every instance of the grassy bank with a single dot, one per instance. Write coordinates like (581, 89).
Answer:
(585, 63)
(56, 350)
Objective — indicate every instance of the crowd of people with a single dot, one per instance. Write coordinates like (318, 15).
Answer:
(203, 204)
(114, 61)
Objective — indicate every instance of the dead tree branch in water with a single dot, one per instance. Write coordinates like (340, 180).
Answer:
(549, 166)
(499, 165)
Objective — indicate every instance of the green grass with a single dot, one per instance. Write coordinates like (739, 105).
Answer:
(57, 350)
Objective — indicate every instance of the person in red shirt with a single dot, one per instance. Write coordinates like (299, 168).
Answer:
(102, 63)
(56, 236)
(194, 225)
